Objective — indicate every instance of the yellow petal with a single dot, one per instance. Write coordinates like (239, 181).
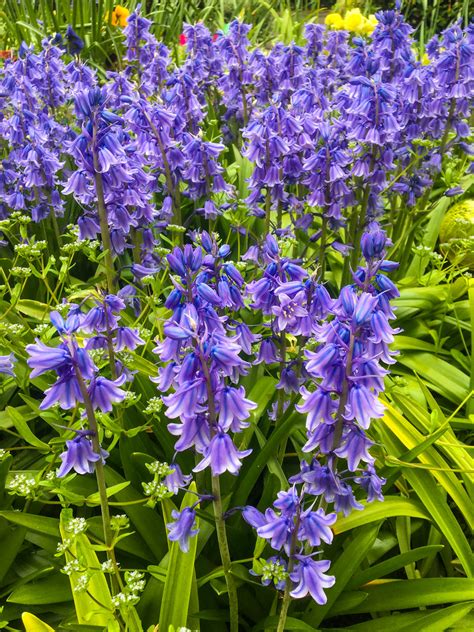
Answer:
(353, 20)
(334, 20)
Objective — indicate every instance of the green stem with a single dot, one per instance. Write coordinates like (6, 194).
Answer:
(286, 595)
(281, 394)
(225, 555)
(218, 512)
(322, 250)
(268, 203)
(285, 604)
(174, 192)
(104, 224)
(350, 236)
(54, 222)
(100, 476)
(339, 425)
(451, 108)
(136, 239)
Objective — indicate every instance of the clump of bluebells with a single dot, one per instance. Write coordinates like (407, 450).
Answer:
(343, 378)
(201, 356)
(243, 191)
(81, 378)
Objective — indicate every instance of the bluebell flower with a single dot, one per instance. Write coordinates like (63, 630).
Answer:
(79, 455)
(181, 530)
(290, 528)
(315, 526)
(65, 391)
(310, 578)
(103, 393)
(234, 408)
(371, 483)
(74, 42)
(127, 338)
(222, 456)
(7, 363)
(176, 480)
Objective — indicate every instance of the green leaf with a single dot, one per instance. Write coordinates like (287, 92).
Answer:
(33, 624)
(409, 593)
(41, 524)
(11, 542)
(393, 564)
(87, 603)
(343, 569)
(404, 431)
(391, 506)
(35, 309)
(250, 473)
(434, 501)
(145, 521)
(440, 620)
(54, 589)
(415, 621)
(179, 578)
(24, 431)
(94, 499)
(260, 393)
(291, 623)
(440, 375)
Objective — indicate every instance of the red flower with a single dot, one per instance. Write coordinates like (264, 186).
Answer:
(182, 39)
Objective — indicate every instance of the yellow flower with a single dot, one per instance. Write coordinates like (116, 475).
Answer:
(369, 24)
(119, 16)
(334, 20)
(353, 20)
(425, 60)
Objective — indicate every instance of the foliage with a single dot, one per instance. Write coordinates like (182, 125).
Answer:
(227, 224)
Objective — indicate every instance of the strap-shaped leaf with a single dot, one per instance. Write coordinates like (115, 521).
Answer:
(179, 579)
(88, 610)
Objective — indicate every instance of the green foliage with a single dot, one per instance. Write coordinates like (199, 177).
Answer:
(405, 564)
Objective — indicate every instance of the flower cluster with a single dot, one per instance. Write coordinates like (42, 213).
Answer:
(293, 530)
(79, 380)
(202, 355)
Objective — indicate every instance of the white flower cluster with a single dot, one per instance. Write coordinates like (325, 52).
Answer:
(154, 406)
(130, 595)
(71, 567)
(81, 583)
(118, 522)
(23, 485)
(162, 469)
(76, 526)
(156, 489)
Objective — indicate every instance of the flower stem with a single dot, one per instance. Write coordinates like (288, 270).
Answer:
(225, 555)
(286, 595)
(173, 191)
(105, 234)
(339, 425)
(103, 220)
(100, 477)
(218, 513)
(284, 608)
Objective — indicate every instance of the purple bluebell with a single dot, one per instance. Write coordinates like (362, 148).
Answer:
(204, 356)
(7, 363)
(221, 455)
(294, 530)
(310, 578)
(79, 455)
(182, 529)
(176, 480)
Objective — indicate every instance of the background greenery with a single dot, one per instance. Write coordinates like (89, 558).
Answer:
(420, 537)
